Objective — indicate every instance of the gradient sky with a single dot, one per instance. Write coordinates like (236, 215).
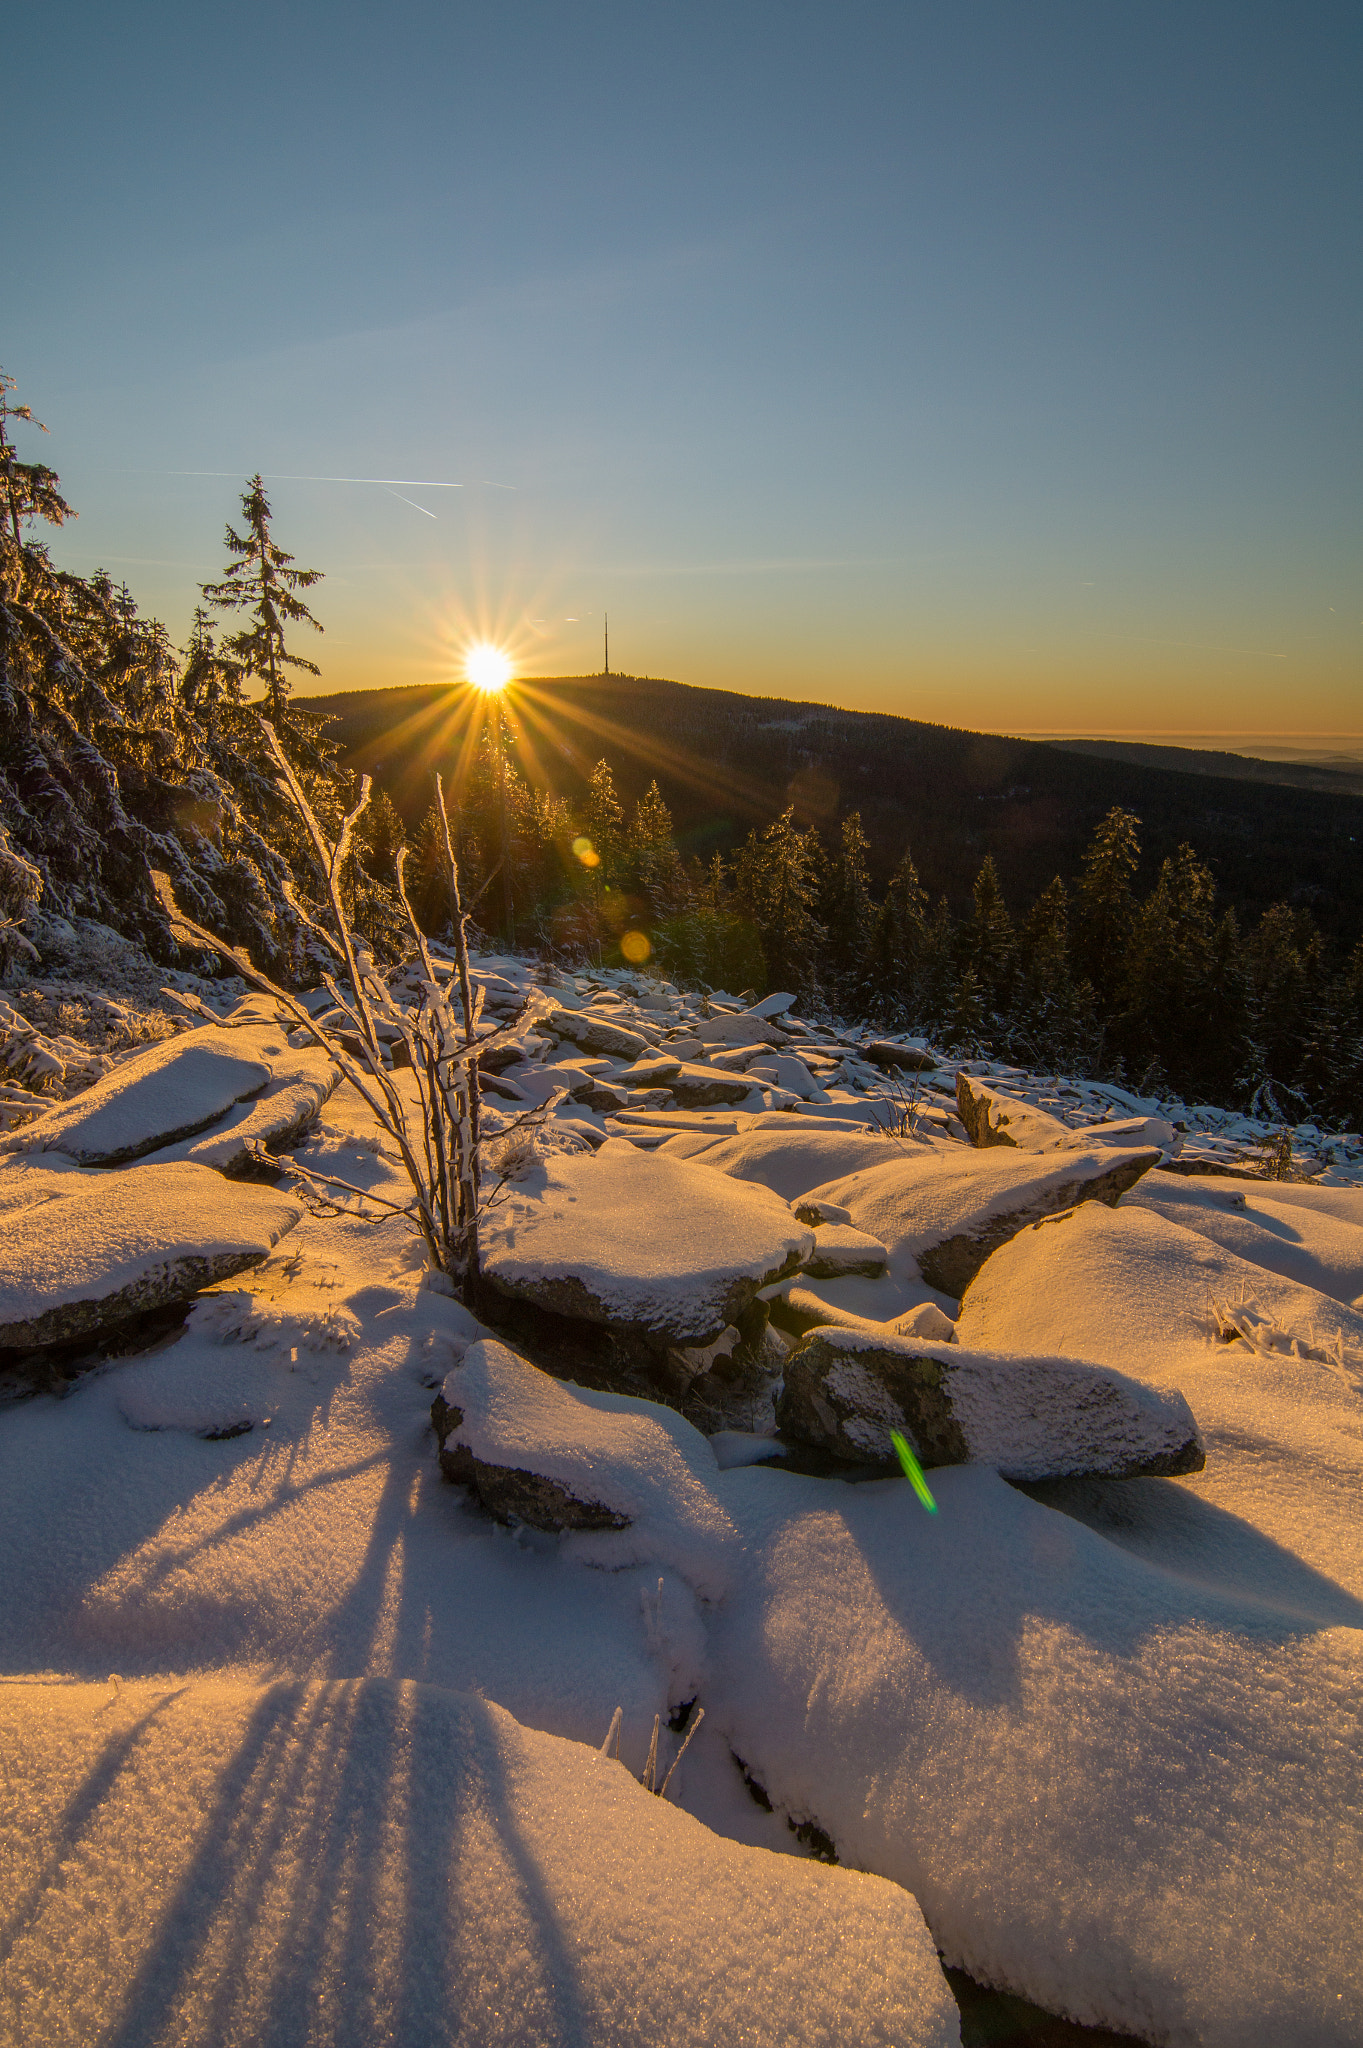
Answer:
(990, 363)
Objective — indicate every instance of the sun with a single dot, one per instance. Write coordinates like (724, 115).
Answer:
(487, 668)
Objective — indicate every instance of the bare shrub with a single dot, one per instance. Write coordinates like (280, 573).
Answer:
(437, 1143)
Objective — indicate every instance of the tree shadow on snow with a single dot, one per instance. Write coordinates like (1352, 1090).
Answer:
(322, 1897)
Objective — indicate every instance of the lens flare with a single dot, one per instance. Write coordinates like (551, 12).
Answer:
(487, 667)
(913, 1471)
(635, 948)
(586, 852)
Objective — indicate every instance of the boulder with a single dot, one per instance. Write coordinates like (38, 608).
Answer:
(793, 1159)
(883, 1052)
(568, 1458)
(790, 1073)
(942, 1212)
(839, 1249)
(649, 1245)
(595, 1033)
(167, 1092)
(81, 1252)
(1030, 1418)
(739, 1027)
(994, 1119)
(773, 1005)
(698, 1087)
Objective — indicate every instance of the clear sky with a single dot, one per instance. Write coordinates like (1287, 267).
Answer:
(993, 361)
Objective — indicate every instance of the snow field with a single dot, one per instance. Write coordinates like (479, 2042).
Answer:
(1105, 1734)
(363, 1861)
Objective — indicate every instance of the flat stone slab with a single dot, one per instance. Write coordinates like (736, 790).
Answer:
(82, 1251)
(301, 1085)
(648, 1244)
(1030, 1418)
(595, 1033)
(840, 1249)
(949, 1207)
(167, 1092)
(562, 1457)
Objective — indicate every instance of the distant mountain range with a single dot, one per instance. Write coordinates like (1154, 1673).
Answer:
(1271, 831)
(1294, 773)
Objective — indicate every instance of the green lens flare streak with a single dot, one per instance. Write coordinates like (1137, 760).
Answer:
(913, 1471)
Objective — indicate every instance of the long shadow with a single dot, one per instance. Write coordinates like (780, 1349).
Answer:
(357, 1796)
(965, 1583)
(79, 1811)
(248, 1789)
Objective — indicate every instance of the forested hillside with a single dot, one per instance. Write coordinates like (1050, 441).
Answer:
(1090, 915)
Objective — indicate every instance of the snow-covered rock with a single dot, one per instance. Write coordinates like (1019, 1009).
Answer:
(790, 1159)
(564, 1457)
(1280, 1409)
(595, 1033)
(80, 1251)
(791, 1073)
(740, 1027)
(697, 1086)
(883, 1052)
(840, 1249)
(992, 1118)
(158, 1096)
(946, 1210)
(643, 1242)
(301, 1084)
(1031, 1418)
(390, 1861)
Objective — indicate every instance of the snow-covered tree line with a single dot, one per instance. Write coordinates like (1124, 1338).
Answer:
(121, 757)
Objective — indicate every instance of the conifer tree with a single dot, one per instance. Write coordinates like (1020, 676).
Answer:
(657, 870)
(849, 913)
(603, 818)
(1105, 905)
(262, 582)
(1179, 1013)
(900, 946)
(778, 887)
(989, 942)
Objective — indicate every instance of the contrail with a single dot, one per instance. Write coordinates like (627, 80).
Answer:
(277, 476)
(412, 501)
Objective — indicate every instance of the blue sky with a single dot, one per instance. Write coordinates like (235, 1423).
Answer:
(994, 363)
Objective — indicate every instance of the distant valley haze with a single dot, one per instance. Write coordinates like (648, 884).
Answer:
(993, 367)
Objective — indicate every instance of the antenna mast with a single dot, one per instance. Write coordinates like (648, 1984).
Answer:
(607, 669)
